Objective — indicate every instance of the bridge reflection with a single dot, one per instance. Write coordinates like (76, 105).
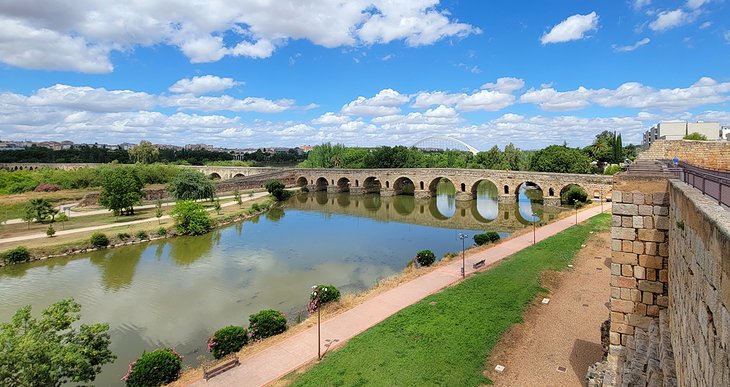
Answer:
(484, 213)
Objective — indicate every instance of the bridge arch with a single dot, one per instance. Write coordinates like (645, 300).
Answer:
(433, 185)
(214, 176)
(321, 184)
(568, 187)
(239, 175)
(403, 186)
(302, 181)
(371, 185)
(343, 184)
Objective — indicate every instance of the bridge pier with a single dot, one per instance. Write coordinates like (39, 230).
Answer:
(551, 201)
(357, 191)
(464, 196)
(387, 192)
(422, 194)
(336, 189)
(507, 198)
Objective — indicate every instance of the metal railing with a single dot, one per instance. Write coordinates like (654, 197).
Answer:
(715, 184)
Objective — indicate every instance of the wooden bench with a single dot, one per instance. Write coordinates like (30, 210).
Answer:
(478, 264)
(219, 368)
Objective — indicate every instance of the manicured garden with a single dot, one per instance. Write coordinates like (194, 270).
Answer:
(446, 338)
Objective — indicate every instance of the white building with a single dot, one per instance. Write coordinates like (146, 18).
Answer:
(677, 131)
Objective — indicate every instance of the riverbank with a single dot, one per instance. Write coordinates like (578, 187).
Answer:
(76, 241)
(371, 307)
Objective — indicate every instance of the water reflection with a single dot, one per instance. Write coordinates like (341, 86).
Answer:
(487, 201)
(118, 266)
(446, 198)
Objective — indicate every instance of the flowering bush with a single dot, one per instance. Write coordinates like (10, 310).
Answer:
(153, 369)
(266, 323)
(425, 258)
(227, 340)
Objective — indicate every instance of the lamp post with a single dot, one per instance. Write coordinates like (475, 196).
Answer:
(601, 198)
(534, 221)
(314, 303)
(462, 237)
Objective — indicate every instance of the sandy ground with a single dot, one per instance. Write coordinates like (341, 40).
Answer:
(564, 333)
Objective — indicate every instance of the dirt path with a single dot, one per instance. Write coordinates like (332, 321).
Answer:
(564, 333)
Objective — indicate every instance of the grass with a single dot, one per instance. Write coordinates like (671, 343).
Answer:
(446, 338)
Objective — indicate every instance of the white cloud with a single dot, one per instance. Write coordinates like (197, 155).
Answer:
(573, 28)
(79, 36)
(505, 85)
(696, 4)
(631, 47)
(91, 99)
(638, 4)
(487, 100)
(632, 95)
(726, 35)
(203, 84)
(386, 102)
(227, 103)
(426, 99)
(670, 19)
(330, 118)
(706, 25)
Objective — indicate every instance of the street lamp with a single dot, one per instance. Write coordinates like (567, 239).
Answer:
(601, 199)
(314, 303)
(462, 237)
(534, 221)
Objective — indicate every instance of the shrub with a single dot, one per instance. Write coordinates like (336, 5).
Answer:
(50, 231)
(142, 235)
(191, 218)
(123, 236)
(156, 368)
(612, 169)
(695, 136)
(16, 255)
(227, 340)
(161, 231)
(255, 207)
(425, 258)
(266, 323)
(327, 293)
(99, 240)
(574, 194)
(276, 189)
(45, 187)
(487, 237)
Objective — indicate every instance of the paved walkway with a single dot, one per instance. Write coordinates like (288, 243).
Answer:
(286, 356)
(106, 226)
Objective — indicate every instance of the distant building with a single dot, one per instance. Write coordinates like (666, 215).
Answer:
(725, 133)
(200, 147)
(677, 131)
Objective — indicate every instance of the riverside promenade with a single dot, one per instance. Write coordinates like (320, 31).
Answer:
(278, 360)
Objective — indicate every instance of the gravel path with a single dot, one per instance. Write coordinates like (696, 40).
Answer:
(564, 333)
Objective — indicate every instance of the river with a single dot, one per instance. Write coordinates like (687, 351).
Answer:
(177, 292)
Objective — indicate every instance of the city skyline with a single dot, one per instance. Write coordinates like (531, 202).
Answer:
(359, 73)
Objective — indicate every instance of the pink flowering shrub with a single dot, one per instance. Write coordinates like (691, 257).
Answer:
(161, 366)
(227, 340)
(322, 294)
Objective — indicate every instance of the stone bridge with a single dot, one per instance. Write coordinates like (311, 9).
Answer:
(423, 182)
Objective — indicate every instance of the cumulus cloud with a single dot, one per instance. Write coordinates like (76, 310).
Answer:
(505, 84)
(573, 28)
(696, 4)
(493, 96)
(670, 19)
(227, 103)
(79, 36)
(638, 4)
(386, 102)
(203, 84)
(331, 118)
(632, 47)
(633, 95)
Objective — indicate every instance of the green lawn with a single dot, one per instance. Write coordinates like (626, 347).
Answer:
(447, 343)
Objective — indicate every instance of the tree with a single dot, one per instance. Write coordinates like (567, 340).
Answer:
(50, 231)
(40, 209)
(695, 136)
(50, 351)
(63, 219)
(190, 218)
(237, 198)
(276, 189)
(121, 190)
(560, 159)
(326, 156)
(158, 211)
(191, 185)
(28, 215)
(217, 206)
(144, 153)
(618, 149)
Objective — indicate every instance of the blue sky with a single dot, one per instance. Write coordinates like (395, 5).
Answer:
(250, 73)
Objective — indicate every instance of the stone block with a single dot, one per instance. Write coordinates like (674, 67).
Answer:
(661, 210)
(616, 220)
(650, 248)
(635, 295)
(615, 338)
(615, 269)
(628, 198)
(661, 222)
(638, 321)
(649, 235)
(615, 292)
(625, 209)
(640, 309)
(651, 286)
(639, 272)
(622, 328)
(624, 258)
(638, 247)
(662, 301)
(647, 298)
(660, 198)
(627, 246)
(624, 339)
(618, 318)
(664, 275)
(615, 245)
(623, 282)
(625, 233)
(627, 270)
(638, 198)
(651, 274)
(650, 261)
(625, 294)
(652, 310)
(648, 222)
(626, 221)
(664, 249)
(617, 196)
(637, 221)
(645, 210)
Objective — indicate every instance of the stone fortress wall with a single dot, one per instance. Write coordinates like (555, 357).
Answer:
(707, 154)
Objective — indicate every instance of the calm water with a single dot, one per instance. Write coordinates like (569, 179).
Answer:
(177, 292)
